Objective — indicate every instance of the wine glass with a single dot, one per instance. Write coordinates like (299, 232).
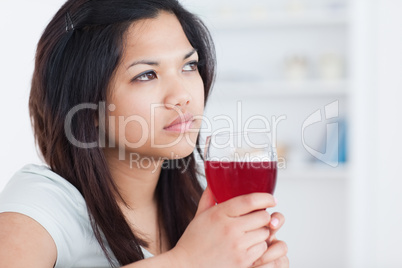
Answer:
(240, 163)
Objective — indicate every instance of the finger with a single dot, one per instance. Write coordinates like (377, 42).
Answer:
(245, 204)
(206, 201)
(255, 252)
(277, 221)
(282, 262)
(275, 251)
(254, 220)
(255, 237)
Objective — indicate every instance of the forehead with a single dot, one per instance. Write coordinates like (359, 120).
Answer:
(160, 37)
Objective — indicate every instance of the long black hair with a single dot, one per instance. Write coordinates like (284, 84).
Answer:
(76, 58)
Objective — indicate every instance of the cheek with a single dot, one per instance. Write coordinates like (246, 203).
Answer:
(129, 123)
(198, 95)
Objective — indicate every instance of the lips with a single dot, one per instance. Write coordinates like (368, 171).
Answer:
(181, 124)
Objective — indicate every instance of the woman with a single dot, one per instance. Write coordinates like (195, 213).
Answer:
(116, 99)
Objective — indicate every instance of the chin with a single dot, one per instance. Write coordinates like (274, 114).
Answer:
(178, 152)
(181, 149)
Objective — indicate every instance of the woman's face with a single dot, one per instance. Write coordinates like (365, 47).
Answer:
(157, 94)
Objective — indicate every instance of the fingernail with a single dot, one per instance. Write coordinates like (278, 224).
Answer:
(276, 200)
(274, 222)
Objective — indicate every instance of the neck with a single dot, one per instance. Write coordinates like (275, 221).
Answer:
(135, 181)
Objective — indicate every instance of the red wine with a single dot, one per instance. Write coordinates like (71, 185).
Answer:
(230, 179)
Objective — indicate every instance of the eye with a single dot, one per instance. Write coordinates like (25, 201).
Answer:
(191, 66)
(145, 76)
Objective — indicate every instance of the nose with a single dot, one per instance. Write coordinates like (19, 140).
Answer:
(177, 94)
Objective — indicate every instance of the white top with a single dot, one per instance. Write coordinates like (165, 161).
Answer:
(58, 206)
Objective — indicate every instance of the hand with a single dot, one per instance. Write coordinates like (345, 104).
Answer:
(231, 234)
(275, 256)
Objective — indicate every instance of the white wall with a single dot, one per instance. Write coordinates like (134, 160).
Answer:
(21, 24)
(389, 133)
(376, 186)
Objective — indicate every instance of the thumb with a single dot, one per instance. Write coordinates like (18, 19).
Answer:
(206, 201)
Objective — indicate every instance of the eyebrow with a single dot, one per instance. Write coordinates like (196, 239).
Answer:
(155, 63)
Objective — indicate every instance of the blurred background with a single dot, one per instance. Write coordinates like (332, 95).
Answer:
(324, 76)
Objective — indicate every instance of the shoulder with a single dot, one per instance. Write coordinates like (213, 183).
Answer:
(37, 188)
(20, 236)
(34, 178)
(36, 196)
